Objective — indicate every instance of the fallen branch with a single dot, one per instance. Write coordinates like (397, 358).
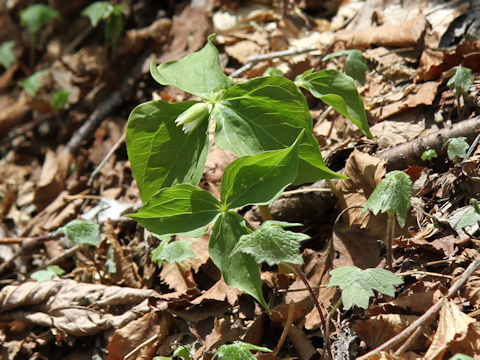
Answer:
(399, 157)
(404, 335)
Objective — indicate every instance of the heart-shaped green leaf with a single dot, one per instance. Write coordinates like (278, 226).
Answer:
(199, 73)
(339, 91)
(461, 80)
(160, 153)
(82, 232)
(457, 147)
(240, 270)
(178, 209)
(36, 16)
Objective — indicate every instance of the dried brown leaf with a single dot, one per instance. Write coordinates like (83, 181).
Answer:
(453, 327)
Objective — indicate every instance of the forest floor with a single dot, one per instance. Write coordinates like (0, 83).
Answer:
(66, 160)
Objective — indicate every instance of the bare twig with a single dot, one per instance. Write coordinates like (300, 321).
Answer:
(399, 157)
(273, 55)
(105, 159)
(402, 336)
(107, 107)
(286, 328)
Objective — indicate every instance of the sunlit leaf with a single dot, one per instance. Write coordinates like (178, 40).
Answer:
(461, 80)
(429, 155)
(172, 252)
(272, 244)
(457, 147)
(391, 195)
(34, 82)
(238, 351)
(82, 232)
(49, 273)
(357, 285)
(7, 56)
(60, 99)
(355, 63)
(199, 73)
(36, 16)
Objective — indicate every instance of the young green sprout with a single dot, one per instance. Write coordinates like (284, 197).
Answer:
(34, 18)
(392, 196)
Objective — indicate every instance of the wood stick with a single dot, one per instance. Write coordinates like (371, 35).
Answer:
(399, 157)
(405, 334)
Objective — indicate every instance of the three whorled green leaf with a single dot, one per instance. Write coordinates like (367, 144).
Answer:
(160, 153)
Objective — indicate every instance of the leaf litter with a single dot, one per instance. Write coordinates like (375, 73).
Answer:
(142, 311)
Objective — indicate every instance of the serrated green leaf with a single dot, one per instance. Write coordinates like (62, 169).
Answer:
(272, 244)
(110, 265)
(238, 351)
(7, 56)
(240, 271)
(49, 273)
(268, 113)
(355, 64)
(60, 99)
(36, 16)
(82, 232)
(97, 11)
(199, 73)
(392, 194)
(178, 209)
(34, 82)
(160, 153)
(261, 178)
(339, 91)
(457, 147)
(461, 80)
(357, 285)
(429, 155)
(171, 252)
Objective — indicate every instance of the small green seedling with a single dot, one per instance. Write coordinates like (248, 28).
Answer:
(34, 82)
(355, 63)
(392, 196)
(7, 56)
(265, 122)
(357, 285)
(461, 80)
(34, 18)
(429, 154)
(48, 274)
(81, 232)
(457, 148)
(60, 100)
(273, 71)
(111, 14)
(470, 218)
(172, 252)
(238, 351)
(182, 352)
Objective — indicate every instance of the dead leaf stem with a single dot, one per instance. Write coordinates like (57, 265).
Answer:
(408, 331)
(286, 329)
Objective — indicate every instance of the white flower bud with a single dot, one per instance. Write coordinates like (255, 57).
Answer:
(193, 116)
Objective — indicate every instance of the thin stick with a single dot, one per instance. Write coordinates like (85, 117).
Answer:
(426, 316)
(471, 149)
(286, 329)
(317, 306)
(106, 158)
(425, 273)
(409, 341)
(145, 343)
(306, 190)
(273, 55)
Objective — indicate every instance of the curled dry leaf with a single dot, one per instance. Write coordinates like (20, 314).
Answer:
(75, 308)
(455, 330)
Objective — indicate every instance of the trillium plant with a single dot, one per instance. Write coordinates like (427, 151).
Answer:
(266, 123)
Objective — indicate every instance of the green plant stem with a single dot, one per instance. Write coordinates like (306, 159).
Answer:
(265, 212)
(390, 241)
(334, 189)
(31, 55)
